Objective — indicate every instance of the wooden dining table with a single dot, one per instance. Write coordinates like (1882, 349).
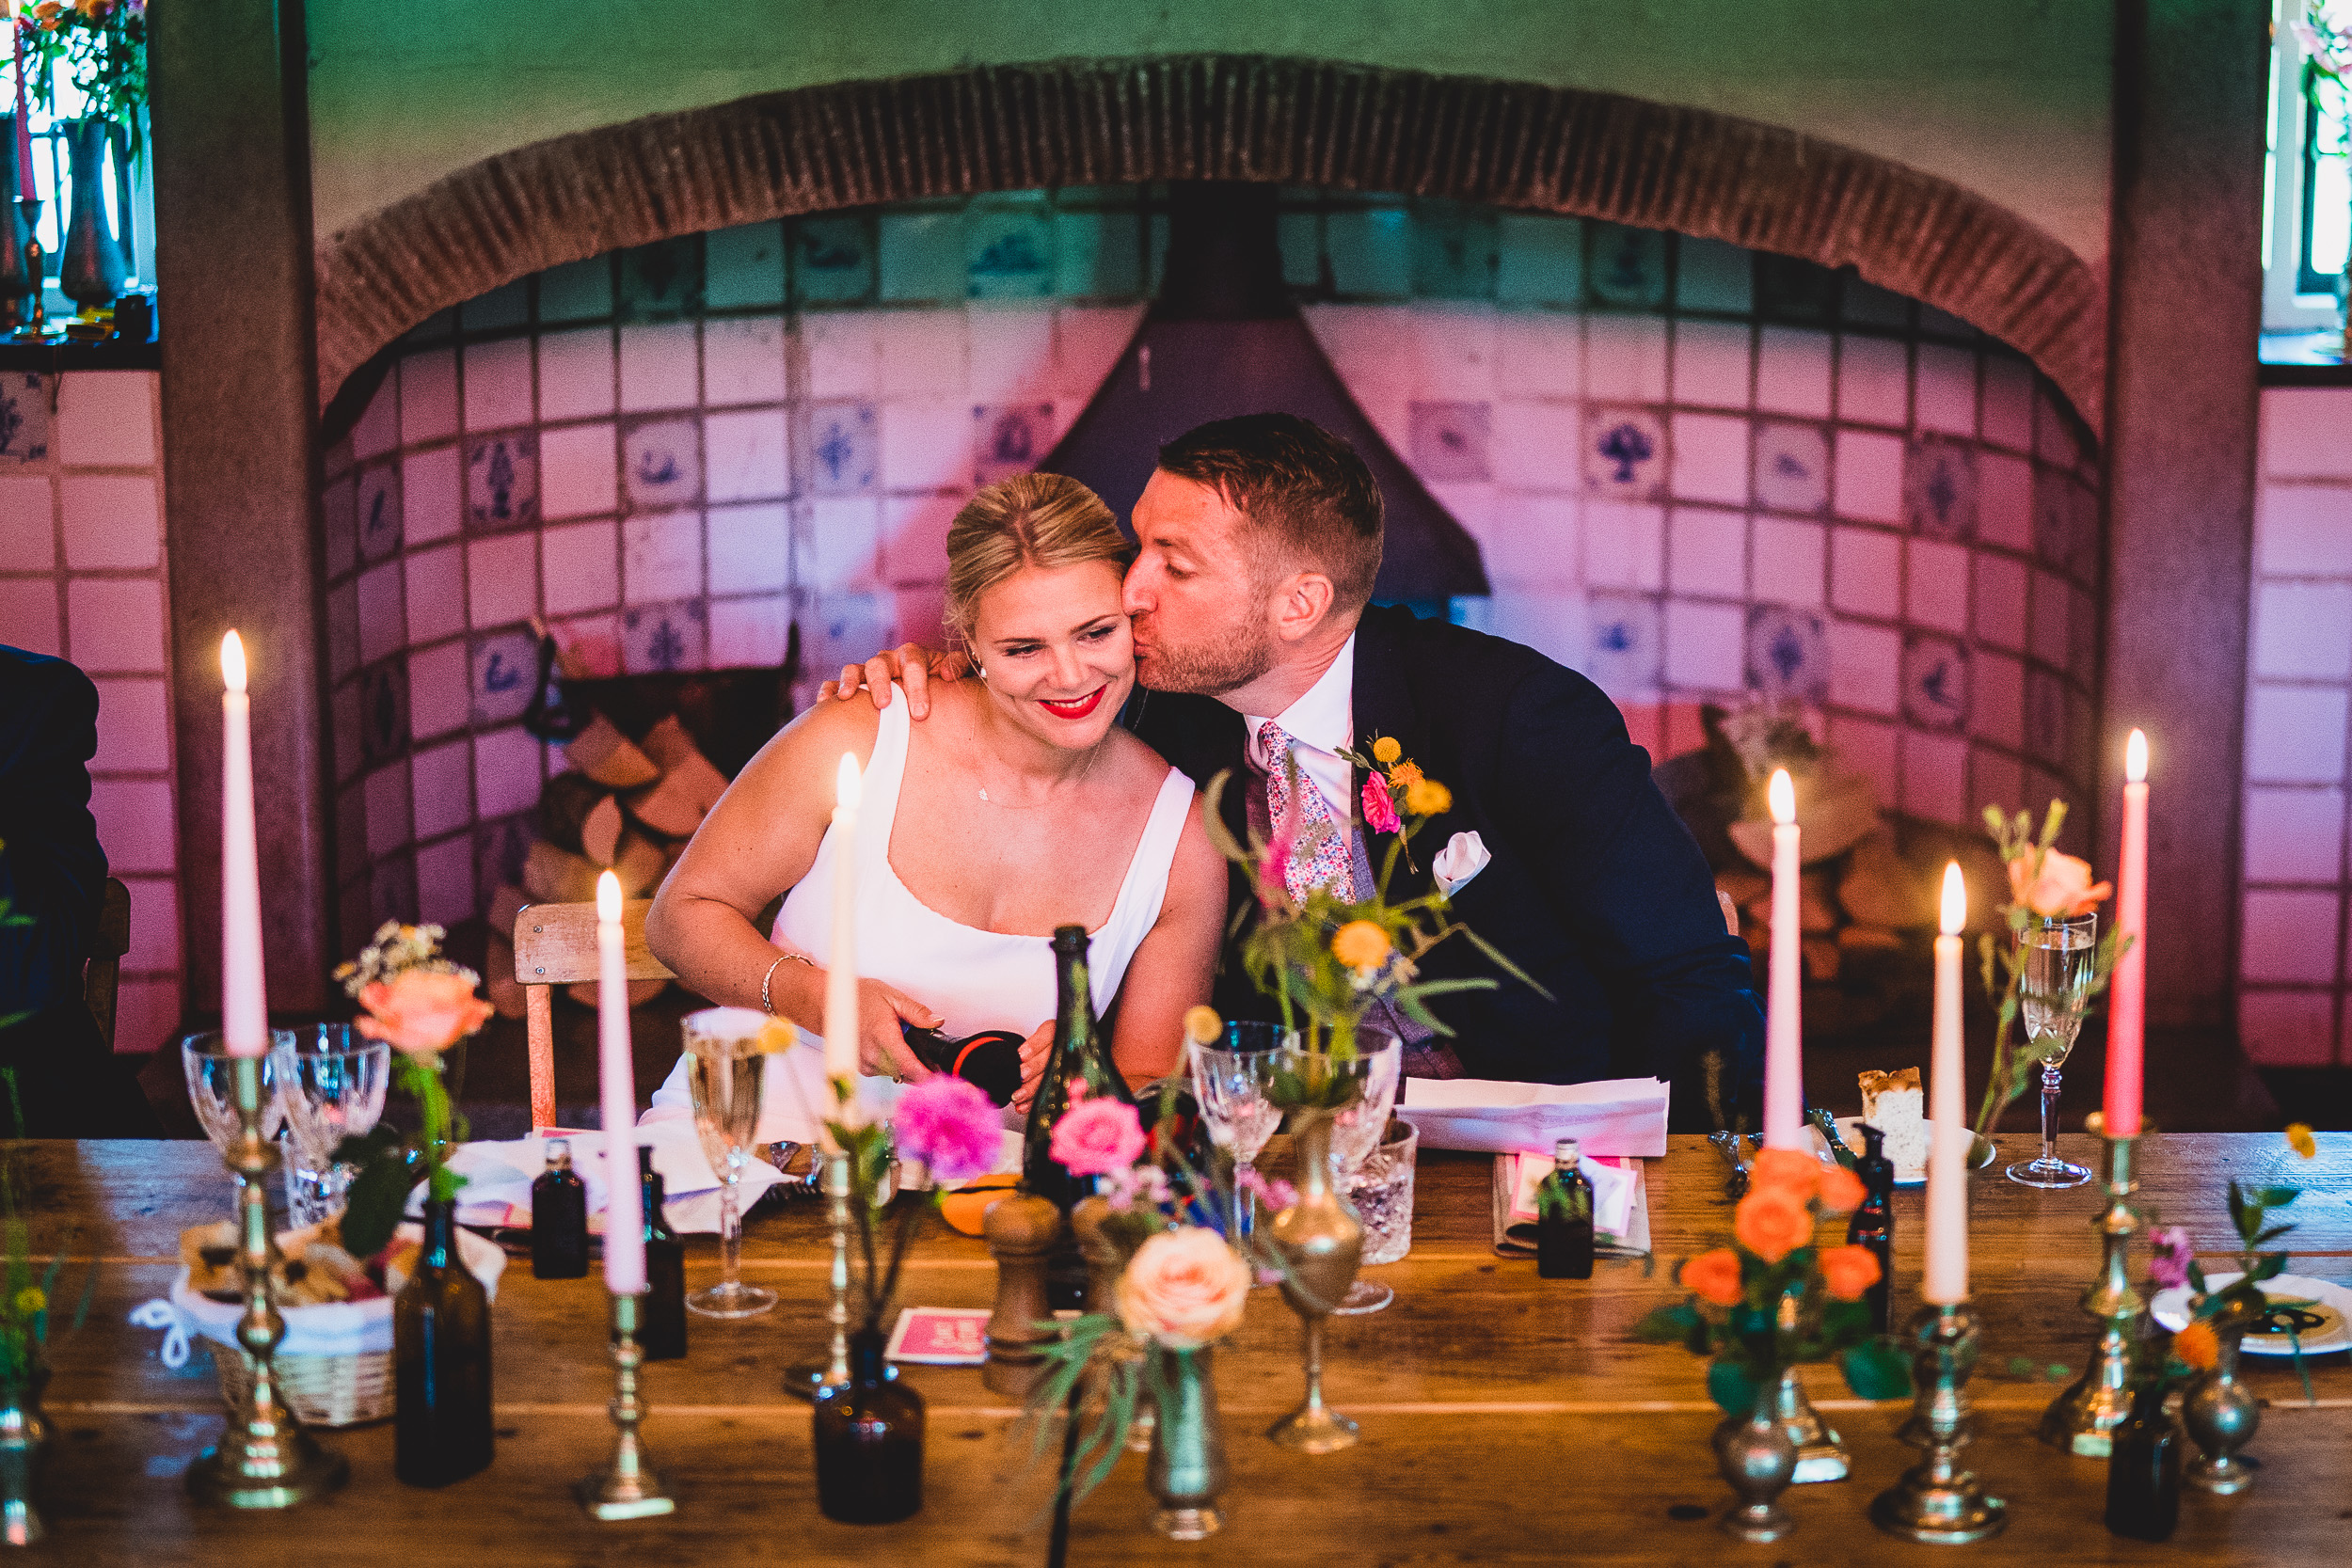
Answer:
(1506, 1418)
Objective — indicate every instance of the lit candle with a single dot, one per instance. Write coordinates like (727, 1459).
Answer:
(841, 968)
(244, 1014)
(1946, 1282)
(624, 1217)
(1783, 1029)
(2128, 1012)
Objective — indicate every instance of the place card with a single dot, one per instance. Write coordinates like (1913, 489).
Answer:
(940, 1337)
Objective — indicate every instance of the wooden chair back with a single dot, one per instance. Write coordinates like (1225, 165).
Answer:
(555, 944)
(102, 979)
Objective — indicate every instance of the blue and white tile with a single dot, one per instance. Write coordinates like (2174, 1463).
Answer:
(1935, 681)
(1792, 468)
(1873, 381)
(1793, 371)
(1626, 267)
(503, 664)
(661, 557)
(1624, 655)
(663, 461)
(576, 375)
(577, 477)
(1791, 565)
(384, 728)
(1451, 441)
(1455, 250)
(660, 639)
(1012, 352)
(441, 689)
(1940, 487)
(1869, 482)
(743, 267)
(498, 384)
(432, 494)
(1711, 457)
(1009, 250)
(833, 260)
(1010, 438)
(1788, 654)
(1625, 453)
(745, 454)
(502, 482)
(844, 448)
(660, 367)
(1705, 647)
(379, 511)
(750, 548)
(1865, 667)
(744, 360)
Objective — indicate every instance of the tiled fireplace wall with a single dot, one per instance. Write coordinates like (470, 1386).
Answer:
(82, 577)
(1695, 473)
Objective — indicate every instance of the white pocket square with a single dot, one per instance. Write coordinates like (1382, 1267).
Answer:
(1463, 858)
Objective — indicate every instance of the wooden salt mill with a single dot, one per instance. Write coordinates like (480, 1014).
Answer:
(1022, 1231)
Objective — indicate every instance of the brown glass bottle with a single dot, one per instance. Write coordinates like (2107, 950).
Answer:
(661, 1316)
(1564, 1218)
(870, 1441)
(2144, 1469)
(559, 1217)
(1081, 1054)
(442, 1420)
(1873, 1224)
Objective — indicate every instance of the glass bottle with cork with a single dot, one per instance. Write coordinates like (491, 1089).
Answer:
(1564, 1217)
(1873, 1224)
(662, 1318)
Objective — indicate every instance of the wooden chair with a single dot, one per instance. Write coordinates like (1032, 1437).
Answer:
(555, 944)
(101, 980)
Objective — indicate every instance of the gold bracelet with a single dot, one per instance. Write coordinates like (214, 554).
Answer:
(765, 1005)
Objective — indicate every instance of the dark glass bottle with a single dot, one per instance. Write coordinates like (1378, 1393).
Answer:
(441, 1363)
(2144, 1469)
(661, 1317)
(990, 1060)
(1873, 1224)
(870, 1441)
(559, 1217)
(1080, 1055)
(1564, 1218)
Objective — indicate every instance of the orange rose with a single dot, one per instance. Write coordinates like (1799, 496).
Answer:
(1786, 1170)
(2198, 1344)
(1361, 944)
(1848, 1271)
(2062, 890)
(1842, 1190)
(1773, 1222)
(1713, 1277)
(422, 1011)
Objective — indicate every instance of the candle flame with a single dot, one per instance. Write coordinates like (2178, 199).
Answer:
(845, 789)
(232, 662)
(1955, 900)
(607, 899)
(1784, 797)
(2136, 757)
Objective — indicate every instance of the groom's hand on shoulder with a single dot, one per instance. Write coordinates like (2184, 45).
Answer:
(910, 664)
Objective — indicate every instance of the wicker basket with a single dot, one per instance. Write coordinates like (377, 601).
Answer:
(323, 1390)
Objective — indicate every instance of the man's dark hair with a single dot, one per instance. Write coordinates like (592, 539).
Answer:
(1296, 480)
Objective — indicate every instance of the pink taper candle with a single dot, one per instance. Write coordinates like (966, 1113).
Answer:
(2127, 1013)
(244, 1014)
(624, 1216)
(1784, 1027)
(841, 963)
(1947, 1280)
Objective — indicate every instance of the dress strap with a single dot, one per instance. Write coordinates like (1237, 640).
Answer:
(878, 794)
(1145, 887)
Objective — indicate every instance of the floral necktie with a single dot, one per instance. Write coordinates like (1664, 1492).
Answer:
(1319, 852)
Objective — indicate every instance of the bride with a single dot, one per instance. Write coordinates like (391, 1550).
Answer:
(1017, 806)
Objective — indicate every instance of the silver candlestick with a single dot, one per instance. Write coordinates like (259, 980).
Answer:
(629, 1489)
(2083, 1419)
(1938, 1501)
(807, 1379)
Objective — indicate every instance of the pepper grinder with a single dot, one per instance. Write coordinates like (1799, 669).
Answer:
(1022, 1229)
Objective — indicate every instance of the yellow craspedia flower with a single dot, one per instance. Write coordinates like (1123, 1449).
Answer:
(1427, 798)
(29, 1301)
(1202, 1026)
(1403, 775)
(2300, 1140)
(1361, 944)
(1386, 751)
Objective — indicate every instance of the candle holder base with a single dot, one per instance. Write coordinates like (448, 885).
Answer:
(1938, 1502)
(628, 1487)
(1821, 1452)
(265, 1463)
(2083, 1419)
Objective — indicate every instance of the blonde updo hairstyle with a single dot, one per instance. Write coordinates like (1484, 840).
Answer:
(1048, 520)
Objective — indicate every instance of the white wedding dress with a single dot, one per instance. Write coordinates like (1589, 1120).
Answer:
(975, 979)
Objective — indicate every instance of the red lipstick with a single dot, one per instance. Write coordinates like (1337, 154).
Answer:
(1078, 709)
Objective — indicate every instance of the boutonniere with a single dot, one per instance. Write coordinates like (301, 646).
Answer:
(1390, 780)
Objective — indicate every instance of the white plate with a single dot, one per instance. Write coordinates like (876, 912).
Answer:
(2334, 1309)
(1845, 1125)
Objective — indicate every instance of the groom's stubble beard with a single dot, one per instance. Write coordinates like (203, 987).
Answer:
(1212, 667)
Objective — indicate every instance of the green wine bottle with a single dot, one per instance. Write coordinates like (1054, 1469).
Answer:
(443, 1417)
(1081, 1055)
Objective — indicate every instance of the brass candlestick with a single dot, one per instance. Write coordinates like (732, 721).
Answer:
(36, 327)
(1938, 1501)
(264, 1460)
(629, 1490)
(2083, 1419)
(806, 1379)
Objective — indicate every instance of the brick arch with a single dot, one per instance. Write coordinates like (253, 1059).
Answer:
(989, 127)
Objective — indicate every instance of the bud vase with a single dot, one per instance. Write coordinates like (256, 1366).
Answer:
(90, 269)
(16, 279)
(1759, 1459)
(2222, 1417)
(1320, 1241)
(23, 1443)
(870, 1441)
(2144, 1469)
(1186, 1471)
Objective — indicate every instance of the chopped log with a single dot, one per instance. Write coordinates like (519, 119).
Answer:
(676, 806)
(1821, 959)
(668, 744)
(1817, 906)
(553, 875)
(639, 991)
(600, 834)
(1869, 939)
(641, 863)
(1878, 889)
(611, 758)
(497, 979)
(565, 803)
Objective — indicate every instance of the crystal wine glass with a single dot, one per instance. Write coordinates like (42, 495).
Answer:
(726, 1067)
(1231, 1080)
(211, 1071)
(1356, 1132)
(332, 1080)
(2057, 960)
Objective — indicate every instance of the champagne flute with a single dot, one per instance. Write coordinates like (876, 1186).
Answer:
(726, 1069)
(2057, 960)
(1232, 1079)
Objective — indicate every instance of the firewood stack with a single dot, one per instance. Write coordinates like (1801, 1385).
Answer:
(626, 806)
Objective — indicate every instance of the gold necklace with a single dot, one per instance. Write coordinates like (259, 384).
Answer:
(1079, 777)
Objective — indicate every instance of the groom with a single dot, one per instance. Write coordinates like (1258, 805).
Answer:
(1255, 638)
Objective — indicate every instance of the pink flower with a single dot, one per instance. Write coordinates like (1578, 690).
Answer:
(2170, 1257)
(1379, 811)
(1184, 1288)
(1276, 1194)
(2061, 889)
(1096, 1138)
(950, 1125)
(422, 1011)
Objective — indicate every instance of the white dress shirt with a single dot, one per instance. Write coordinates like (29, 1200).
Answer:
(1319, 723)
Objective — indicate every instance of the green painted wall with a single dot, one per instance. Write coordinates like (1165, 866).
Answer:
(2008, 97)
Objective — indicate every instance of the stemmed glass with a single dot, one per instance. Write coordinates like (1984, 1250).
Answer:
(212, 1087)
(726, 1067)
(332, 1080)
(1232, 1079)
(2057, 960)
(1356, 1132)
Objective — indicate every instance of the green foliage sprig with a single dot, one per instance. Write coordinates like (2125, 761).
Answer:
(102, 46)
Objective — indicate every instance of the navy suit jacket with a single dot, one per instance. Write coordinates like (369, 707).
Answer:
(1596, 887)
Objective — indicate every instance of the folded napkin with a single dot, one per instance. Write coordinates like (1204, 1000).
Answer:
(1615, 1115)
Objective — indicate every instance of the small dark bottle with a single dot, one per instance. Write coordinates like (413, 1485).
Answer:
(870, 1441)
(1564, 1218)
(441, 1363)
(661, 1317)
(559, 1217)
(1873, 1224)
(2144, 1469)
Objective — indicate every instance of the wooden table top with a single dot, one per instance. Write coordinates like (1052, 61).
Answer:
(1506, 1418)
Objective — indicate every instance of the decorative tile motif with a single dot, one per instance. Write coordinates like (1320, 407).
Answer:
(844, 448)
(502, 483)
(1788, 654)
(833, 260)
(656, 638)
(504, 664)
(1628, 267)
(1935, 681)
(1624, 656)
(1010, 438)
(1455, 250)
(1625, 453)
(663, 281)
(1451, 441)
(663, 461)
(379, 511)
(1940, 487)
(1009, 252)
(1792, 468)
(383, 711)
(23, 417)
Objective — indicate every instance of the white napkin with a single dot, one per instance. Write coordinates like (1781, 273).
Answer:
(1464, 857)
(1615, 1115)
(1613, 1193)
(499, 1177)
